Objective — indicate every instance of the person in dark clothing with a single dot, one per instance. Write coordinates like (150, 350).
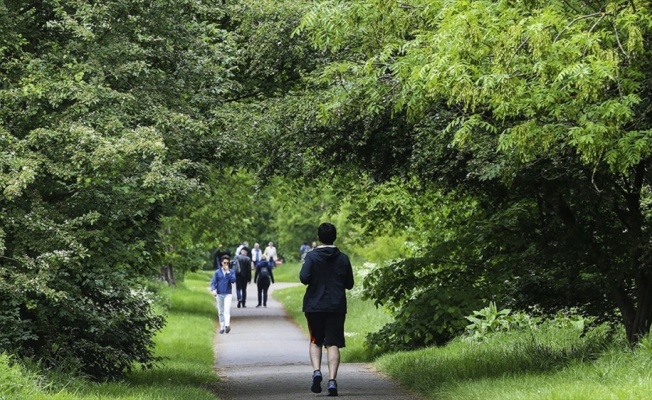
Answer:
(328, 273)
(263, 277)
(243, 277)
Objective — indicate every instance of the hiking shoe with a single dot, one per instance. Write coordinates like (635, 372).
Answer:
(332, 388)
(316, 382)
(228, 329)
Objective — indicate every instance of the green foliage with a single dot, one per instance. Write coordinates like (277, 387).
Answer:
(184, 371)
(106, 117)
(524, 124)
(94, 321)
(489, 321)
(226, 211)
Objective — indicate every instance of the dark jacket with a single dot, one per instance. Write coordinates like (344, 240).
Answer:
(328, 273)
(258, 277)
(245, 267)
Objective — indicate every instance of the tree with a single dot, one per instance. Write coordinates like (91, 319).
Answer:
(543, 109)
(106, 115)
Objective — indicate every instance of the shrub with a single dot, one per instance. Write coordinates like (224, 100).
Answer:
(96, 322)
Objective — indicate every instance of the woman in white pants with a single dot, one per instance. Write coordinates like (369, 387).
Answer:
(221, 288)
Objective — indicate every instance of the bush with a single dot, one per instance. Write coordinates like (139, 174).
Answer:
(94, 322)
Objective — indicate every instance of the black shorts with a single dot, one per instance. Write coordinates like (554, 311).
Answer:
(326, 328)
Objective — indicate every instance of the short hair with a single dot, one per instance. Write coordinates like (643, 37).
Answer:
(225, 257)
(327, 233)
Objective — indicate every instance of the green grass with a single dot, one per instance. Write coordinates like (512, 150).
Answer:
(362, 316)
(553, 363)
(287, 272)
(186, 373)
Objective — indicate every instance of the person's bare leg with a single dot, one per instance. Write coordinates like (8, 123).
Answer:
(315, 356)
(333, 361)
(315, 360)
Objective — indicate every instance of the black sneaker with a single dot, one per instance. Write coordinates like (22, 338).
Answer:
(332, 388)
(316, 382)
(228, 329)
(238, 304)
(221, 330)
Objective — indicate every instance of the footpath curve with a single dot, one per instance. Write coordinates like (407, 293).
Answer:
(265, 356)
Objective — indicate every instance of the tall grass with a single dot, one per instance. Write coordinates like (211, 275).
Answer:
(550, 363)
(185, 372)
(362, 316)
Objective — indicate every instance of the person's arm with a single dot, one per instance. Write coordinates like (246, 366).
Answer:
(214, 284)
(305, 275)
(349, 276)
(271, 275)
(257, 270)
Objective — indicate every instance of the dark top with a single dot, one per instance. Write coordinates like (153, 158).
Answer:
(263, 264)
(245, 267)
(328, 273)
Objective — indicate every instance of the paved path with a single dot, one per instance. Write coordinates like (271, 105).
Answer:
(266, 357)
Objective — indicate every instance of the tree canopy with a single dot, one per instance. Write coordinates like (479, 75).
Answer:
(507, 143)
(531, 118)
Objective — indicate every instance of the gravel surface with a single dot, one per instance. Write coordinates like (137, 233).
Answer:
(265, 356)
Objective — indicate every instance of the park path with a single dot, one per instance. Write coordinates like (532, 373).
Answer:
(266, 357)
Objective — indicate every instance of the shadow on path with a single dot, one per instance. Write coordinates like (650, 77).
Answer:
(266, 357)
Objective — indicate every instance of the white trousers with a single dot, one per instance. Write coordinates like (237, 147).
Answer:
(224, 309)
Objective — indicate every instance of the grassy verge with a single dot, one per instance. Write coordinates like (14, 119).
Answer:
(186, 343)
(362, 317)
(551, 363)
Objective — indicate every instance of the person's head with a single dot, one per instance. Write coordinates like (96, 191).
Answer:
(263, 257)
(243, 251)
(327, 233)
(271, 244)
(245, 243)
(256, 246)
(225, 260)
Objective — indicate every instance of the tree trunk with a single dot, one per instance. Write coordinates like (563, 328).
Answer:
(640, 325)
(167, 274)
(636, 313)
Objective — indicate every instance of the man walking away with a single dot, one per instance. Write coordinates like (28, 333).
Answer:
(242, 277)
(328, 273)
